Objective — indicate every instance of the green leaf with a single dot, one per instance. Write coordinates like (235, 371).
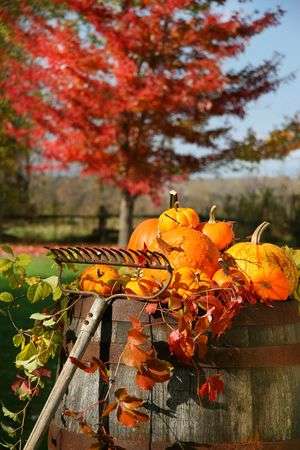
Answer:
(23, 259)
(8, 429)
(6, 297)
(57, 293)
(49, 323)
(27, 355)
(5, 264)
(19, 340)
(38, 292)
(10, 414)
(32, 280)
(53, 281)
(39, 316)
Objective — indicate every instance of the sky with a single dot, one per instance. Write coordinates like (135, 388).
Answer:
(271, 109)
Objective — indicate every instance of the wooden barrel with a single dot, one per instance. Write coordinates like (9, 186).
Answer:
(260, 408)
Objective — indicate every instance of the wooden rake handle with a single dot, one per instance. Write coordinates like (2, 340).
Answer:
(86, 332)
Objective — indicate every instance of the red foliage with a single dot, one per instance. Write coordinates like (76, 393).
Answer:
(212, 387)
(149, 74)
(91, 367)
(127, 409)
(23, 388)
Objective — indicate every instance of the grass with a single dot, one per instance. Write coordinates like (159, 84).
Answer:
(40, 266)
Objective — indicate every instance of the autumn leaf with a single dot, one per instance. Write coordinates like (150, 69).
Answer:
(23, 388)
(91, 367)
(181, 342)
(85, 428)
(153, 371)
(127, 410)
(133, 356)
(42, 372)
(151, 308)
(212, 387)
(144, 382)
(109, 408)
(135, 334)
(73, 414)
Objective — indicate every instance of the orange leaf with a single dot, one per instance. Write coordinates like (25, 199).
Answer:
(159, 370)
(136, 337)
(86, 429)
(212, 387)
(91, 367)
(128, 401)
(109, 408)
(151, 308)
(144, 381)
(71, 413)
(133, 356)
(130, 418)
(136, 323)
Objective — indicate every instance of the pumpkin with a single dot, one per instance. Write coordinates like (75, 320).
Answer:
(100, 278)
(143, 285)
(271, 270)
(187, 247)
(188, 281)
(143, 234)
(229, 276)
(175, 217)
(221, 233)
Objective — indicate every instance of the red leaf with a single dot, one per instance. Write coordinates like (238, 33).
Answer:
(131, 418)
(91, 367)
(212, 387)
(127, 412)
(42, 372)
(109, 408)
(144, 381)
(181, 342)
(136, 337)
(22, 387)
(134, 356)
(151, 308)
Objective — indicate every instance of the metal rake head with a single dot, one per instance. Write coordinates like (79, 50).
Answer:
(139, 259)
(111, 256)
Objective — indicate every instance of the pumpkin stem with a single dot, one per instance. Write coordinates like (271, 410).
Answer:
(212, 217)
(173, 199)
(255, 238)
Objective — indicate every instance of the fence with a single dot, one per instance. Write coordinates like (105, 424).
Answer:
(102, 229)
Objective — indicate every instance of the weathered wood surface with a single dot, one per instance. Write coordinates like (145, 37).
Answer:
(259, 409)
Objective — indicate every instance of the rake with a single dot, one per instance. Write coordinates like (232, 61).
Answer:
(92, 255)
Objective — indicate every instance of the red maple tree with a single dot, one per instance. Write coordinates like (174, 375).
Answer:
(113, 86)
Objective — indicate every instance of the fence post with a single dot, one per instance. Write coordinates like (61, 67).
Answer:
(102, 223)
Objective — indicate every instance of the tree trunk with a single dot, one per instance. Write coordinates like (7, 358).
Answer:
(125, 218)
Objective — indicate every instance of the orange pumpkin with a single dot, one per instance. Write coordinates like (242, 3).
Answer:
(271, 270)
(229, 276)
(188, 281)
(175, 217)
(221, 233)
(100, 278)
(142, 285)
(187, 247)
(143, 234)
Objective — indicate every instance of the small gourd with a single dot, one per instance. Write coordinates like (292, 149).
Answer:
(175, 216)
(221, 233)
